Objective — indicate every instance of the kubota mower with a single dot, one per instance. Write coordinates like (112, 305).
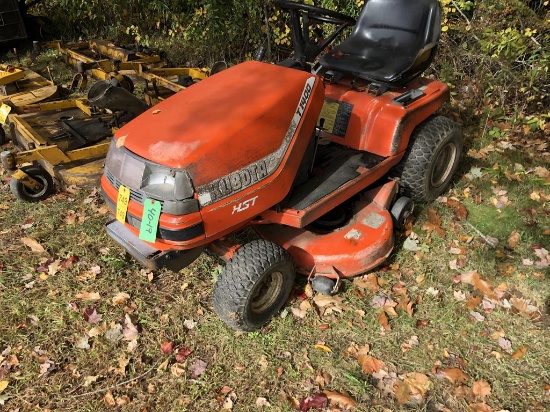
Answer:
(322, 162)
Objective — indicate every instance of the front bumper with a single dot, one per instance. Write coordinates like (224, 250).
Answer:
(149, 256)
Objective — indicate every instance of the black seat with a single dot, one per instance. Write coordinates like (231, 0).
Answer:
(393, 42)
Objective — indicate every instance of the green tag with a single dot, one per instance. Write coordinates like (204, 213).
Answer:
(150, 220)
(122, 203)
(4, 111)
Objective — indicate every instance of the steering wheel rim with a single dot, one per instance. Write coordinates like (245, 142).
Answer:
(339, 18)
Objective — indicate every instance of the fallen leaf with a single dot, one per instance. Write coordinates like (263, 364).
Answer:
(477, 316)
(481, 389)
(368, 282)
(120, 298)
(413, 389)
(513, 240)
(33, 244)
(299, 313)
(323, 347)
(129, 331)
(341, 399)
(480, 407)
(83, 343)
(88, 295)
(197, 368)
(183, 354)
(473, 302)
(91, 315)
(383, 321)
(421, 323)
(453, 375)
(520, 352)
(109, 399)
(177, 369)
(504, 344)
(167, 347)
(261, 402)
(369, 363)
(315, 401)
(3, 385)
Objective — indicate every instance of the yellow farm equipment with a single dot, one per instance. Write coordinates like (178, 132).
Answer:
(20, 86)
(63, 140)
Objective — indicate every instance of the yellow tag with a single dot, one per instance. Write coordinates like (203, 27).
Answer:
(4, 111)
(122, 203)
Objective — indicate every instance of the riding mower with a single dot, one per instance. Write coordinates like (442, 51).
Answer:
(324, 162)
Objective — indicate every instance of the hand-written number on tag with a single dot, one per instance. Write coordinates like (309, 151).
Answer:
(150, 220)
(122, 203)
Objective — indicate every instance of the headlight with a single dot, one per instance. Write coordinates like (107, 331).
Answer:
(171, 186)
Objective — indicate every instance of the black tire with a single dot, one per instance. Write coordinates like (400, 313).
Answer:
(21, 192)
(431, 159)
(3, 138)
(401, 210)
(254, 285)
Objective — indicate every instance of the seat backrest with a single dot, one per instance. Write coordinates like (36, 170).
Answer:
(400, 23)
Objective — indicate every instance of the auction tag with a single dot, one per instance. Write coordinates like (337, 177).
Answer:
(150, 220)
(122, 203)
(4, 111)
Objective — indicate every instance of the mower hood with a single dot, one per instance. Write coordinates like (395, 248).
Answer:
(225, 122)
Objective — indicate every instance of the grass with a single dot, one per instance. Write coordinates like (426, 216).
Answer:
(42, 318)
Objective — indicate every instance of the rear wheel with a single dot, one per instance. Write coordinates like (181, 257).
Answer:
(431, 159)
(25, 194)
(254, 285)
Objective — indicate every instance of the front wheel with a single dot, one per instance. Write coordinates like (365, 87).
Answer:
(254, 285)
(431, 159)
(25, 194)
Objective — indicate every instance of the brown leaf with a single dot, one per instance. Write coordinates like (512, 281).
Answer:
(120, 298)
(383, 320)
(341, 399)
(413, 389)
(459, 210)
(479, 407)
(183, 354)
(88, 295)
(177, 369)
(109, 399)
(167, 347)
(369, 363)
(454, 375)
(520, 352)
(433, 217)
(473, 302)
(33, 244)
(481, 389)
(368, 282)
(421, 323)
(513, 239)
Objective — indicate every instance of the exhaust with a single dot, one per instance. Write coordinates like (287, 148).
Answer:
(108, 96)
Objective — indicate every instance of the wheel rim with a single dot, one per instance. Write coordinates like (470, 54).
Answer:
(266, 292)
(443, 165)
(31, 193)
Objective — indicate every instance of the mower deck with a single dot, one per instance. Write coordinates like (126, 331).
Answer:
(20, 87)
(362, 242)
(65, 138)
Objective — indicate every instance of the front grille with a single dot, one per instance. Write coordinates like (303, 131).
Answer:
(135, 195)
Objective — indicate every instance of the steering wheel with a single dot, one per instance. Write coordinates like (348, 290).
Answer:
(316, 13)
(303, 17)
